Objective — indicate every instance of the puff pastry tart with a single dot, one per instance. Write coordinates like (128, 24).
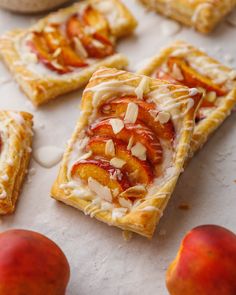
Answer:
(181, 63)
(203, 15)
(128, 149)
(15, 149)
(60, 53)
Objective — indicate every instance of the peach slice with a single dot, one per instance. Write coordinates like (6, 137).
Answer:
(118, 107)
(103, 172)
(39, 46)
(138, 131)
(66, 56)
(132, 164)
(205, 263)
(193, 79)
(96, 44)
(93, 18)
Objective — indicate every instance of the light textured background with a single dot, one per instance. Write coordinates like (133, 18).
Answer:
(101, 261)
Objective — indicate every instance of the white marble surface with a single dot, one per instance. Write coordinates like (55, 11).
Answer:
(101, 261)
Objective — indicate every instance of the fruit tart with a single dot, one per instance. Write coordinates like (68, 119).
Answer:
(60, 52)
(128, 149)
(15, 150)
(181, 63)
(202, 15)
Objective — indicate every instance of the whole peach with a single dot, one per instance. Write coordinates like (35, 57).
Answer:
(31, 264)
(205, 263)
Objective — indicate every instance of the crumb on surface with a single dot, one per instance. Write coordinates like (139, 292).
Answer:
(184, 206)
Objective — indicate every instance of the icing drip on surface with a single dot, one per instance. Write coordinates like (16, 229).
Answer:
(48, 156)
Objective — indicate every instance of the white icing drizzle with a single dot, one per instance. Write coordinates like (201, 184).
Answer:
(9, 128)
(165, 99)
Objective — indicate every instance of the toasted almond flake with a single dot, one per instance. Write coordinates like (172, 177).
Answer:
(125, 203)
(106, 206)
(117, 163)
(49, 29)
(115, 192)
(139, 151)
(101, 191)
(110, 148)
(98, 44)
(163, 117)
(86, 156)
(57, 52)
(142, 88)
(131, 114)
(117, 125)
(211, 96)
(137, 191)
(79, 48)
(177, 73)
(56, 64)
(130, 143)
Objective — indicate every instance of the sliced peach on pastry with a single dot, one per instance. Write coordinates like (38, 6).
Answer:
(102, 172)
(39, 46)
(96, 44)
(114, 148)
(191, 78)
(61, 49)
(95, 19)
(141, 140)
(147, 113)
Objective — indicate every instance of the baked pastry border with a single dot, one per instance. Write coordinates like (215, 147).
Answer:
(17, 150)
(138, 221)
(40, 88)
(206, 127)
(201, 15)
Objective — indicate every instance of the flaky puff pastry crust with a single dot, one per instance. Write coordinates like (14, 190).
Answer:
(206, 127)
(140, 219)
(203, 15)
(16, 140)
(41, 87)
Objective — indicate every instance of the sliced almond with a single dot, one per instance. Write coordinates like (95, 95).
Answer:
(139, 151)
(125, 203)
(137, 191)
(117, 125)
(57, 52)
(211, 96)
(110, 148)
(130, 143)
(49, 29)
(117, 163)
(131, 114)
(57, 65)
(79, 48)
(163, 117)
(143, 87)
(101, 191)
(177, 73)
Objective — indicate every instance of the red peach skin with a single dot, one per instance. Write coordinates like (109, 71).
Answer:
(205, 263)
(31, 264)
